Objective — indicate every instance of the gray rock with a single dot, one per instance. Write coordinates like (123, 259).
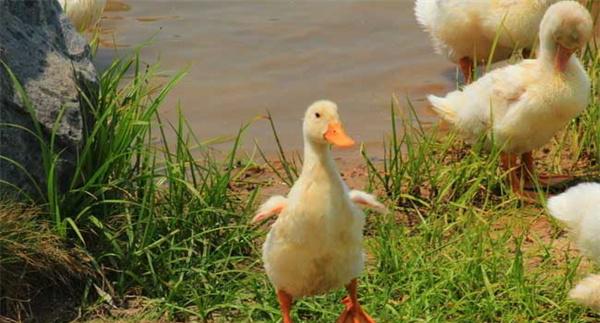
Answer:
(52, 62)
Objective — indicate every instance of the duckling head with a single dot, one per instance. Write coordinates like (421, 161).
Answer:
(322, 125)
(566, 27)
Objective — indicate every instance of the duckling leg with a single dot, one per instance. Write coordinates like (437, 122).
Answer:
(466, 66)
(353, 313)
(528, 170)
(554, 179)
(543, 180)
(285, 303)
(509, 163)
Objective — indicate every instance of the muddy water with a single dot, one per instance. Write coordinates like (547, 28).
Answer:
(245, 57)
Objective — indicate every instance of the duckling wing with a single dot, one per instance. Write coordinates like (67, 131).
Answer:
(487, 101)
(447, 22)
(530, 105)
(273, 206)
(508, 95)
(366, 199)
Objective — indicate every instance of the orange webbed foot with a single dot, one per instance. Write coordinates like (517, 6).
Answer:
(548, 181)
(353, 313)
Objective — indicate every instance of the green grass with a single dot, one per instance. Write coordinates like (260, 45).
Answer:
(168, 223)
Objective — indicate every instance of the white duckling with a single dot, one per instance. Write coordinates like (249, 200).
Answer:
(315, 245)
(579, 209)
(522, 106)
(465, 30)
(83, 14)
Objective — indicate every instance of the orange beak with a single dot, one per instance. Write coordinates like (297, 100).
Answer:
(562, 57)
(336, 135)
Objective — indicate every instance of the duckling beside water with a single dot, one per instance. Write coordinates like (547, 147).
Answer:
(520, 107)
(315, 245)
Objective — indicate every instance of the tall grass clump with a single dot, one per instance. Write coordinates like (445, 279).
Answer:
(158, 219)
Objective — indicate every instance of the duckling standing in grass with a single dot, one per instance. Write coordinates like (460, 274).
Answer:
(465, 30)
(522, 106)
(579, 209)
(315, 245)
(84, 14)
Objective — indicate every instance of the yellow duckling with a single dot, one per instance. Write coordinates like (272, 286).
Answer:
(83, 14)
(522, 106)
(465, 30)
(315, 245)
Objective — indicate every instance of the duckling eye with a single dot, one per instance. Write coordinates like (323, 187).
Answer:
(318, 115)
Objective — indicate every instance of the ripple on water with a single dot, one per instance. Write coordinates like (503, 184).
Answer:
(244, 57)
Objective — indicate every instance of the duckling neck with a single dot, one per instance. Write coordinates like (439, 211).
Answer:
(552, 57)
(317, 157)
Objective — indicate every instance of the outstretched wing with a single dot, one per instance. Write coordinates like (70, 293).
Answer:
(366, 199)
(273, 206)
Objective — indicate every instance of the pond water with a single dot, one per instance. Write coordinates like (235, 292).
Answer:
(246, 57)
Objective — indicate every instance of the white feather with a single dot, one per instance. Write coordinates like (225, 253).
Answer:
(587, 292)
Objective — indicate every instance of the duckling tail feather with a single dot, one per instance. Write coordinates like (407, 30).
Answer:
(425, 11)
(441, 107)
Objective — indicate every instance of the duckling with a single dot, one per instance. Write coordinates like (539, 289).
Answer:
(522, 106)
(315, 244)
(579, 209)
(83, 14)
(465, 30)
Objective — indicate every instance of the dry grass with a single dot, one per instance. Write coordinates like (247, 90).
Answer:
(34, 260)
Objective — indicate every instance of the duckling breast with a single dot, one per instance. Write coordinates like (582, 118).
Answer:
(315, 247)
